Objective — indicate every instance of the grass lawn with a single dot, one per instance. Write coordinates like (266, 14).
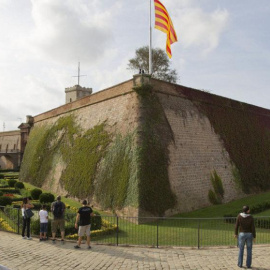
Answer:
(228, 208)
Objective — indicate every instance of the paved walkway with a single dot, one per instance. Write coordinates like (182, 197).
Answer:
(17, 254)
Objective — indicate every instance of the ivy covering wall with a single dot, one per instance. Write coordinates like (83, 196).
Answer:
(65, 142)
(155, 135)
(117, 180)
(245, 131)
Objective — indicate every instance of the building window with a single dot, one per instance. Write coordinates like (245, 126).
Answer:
(7, 148)
(0, 147)
(14, 146)
(70, 100)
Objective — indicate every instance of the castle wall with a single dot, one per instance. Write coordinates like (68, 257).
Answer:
(116, 106)
(196, 150)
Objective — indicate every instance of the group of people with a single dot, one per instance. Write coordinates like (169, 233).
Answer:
(244, 227)
(82, 223)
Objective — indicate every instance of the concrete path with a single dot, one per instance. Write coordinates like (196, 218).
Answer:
(17, 254)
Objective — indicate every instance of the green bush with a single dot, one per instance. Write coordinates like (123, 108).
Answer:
(217, 184)
(35, 193)
(35, 227)
(5, 201)
(46, 198)
(96, 222)
(1, 193)
(12, 182)
(37, 206)
(254, 209)
(19, 185)
(212, 197)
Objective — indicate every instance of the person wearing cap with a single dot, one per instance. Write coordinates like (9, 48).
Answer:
(247, 234)
(84, 215)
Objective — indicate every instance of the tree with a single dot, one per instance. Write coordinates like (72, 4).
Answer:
(160, 64)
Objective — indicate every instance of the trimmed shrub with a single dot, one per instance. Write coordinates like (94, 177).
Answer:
(19, 185)
(37, 206)
(12, 182)
(96, 221)
(35, 193)
(46, 198)
(5, 201)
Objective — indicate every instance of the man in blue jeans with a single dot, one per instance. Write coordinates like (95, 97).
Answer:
(247, 234)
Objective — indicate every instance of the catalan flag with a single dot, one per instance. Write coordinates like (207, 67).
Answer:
(164, 23)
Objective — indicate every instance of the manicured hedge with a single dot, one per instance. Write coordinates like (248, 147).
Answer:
(46, 198)
(10, 190)
(5, 201)
(12, 182)
(35, 193)
(19, 185)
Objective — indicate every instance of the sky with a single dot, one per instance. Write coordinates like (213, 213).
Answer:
(223, 47)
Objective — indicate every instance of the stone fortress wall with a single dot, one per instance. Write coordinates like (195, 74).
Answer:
(195, 153)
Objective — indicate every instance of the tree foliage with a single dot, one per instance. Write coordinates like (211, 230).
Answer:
(160, 64)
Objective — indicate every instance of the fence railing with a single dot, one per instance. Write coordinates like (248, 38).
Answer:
(155, 232)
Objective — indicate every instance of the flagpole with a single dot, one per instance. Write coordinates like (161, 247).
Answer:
(150, 42)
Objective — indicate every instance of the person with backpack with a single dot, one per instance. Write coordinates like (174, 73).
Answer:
(58, 210)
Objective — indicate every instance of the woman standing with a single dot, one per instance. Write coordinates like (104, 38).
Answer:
(26, 221)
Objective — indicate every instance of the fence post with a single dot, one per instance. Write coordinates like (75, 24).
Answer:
(199, 234)
(117, 231)
(157, 232)
(18, 219)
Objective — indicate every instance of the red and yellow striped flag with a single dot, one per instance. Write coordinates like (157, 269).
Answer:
(164, 23)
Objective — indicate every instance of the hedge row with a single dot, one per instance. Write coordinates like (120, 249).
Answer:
(257, 208)
(10, 190)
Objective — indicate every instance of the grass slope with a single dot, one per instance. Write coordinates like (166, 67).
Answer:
(228, 208)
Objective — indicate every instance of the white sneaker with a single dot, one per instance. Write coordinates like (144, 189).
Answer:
(29, 238)
(24, 237)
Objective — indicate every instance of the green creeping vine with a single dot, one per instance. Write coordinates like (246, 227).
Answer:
(82, 160)
(117, 180)
(216, 196)
(65, 142)
(155, 195)
(246, 137)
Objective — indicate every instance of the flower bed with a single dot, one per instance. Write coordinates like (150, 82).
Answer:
(5, 226)
(107, 228)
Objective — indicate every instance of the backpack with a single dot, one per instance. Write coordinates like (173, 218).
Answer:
(58, 209)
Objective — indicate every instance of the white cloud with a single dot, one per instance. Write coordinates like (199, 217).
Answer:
(65, 30)
(197, 28)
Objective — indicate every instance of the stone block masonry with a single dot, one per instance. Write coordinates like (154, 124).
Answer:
(196, 147)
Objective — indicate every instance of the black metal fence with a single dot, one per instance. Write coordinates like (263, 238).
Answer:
(155, 232)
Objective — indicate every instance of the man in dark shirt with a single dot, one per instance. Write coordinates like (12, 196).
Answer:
(84, 215)
(247, 234)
